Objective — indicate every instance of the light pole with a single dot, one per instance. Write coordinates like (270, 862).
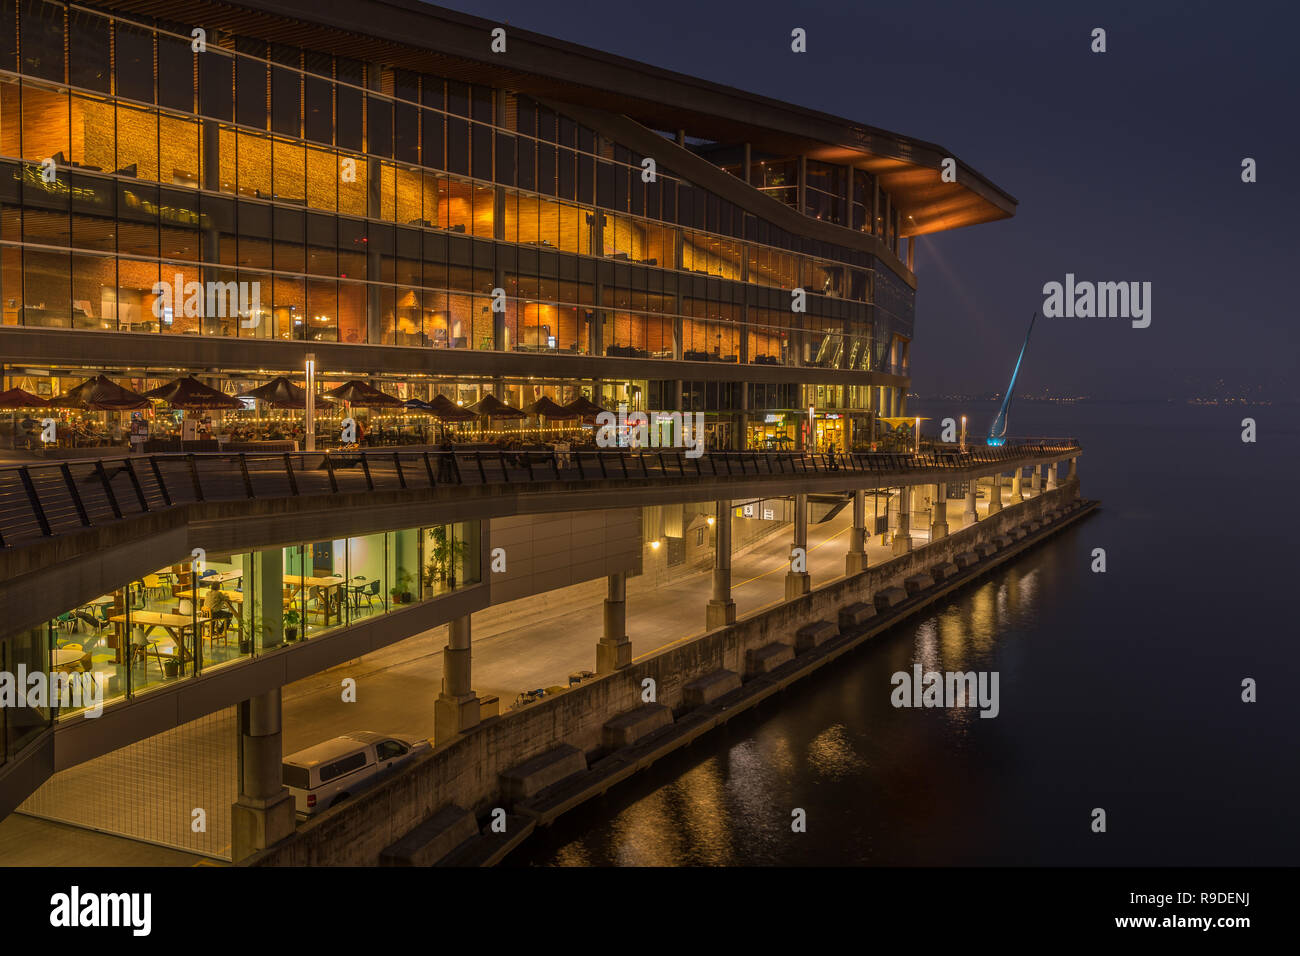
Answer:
(916, 448)
(309, 437)
(963, 433)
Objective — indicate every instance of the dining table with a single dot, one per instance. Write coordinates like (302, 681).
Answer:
(331, 583)
(176, 626)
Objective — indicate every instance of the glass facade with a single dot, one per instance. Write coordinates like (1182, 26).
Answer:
(374, 205)
(187, 618)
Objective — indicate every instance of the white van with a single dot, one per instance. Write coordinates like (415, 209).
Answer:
(330, 772)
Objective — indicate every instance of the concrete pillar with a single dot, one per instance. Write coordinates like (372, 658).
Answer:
(268, 585)
(968, 515)
(799, 583)
(939, 519)
(1016, 495)
(722, 609)
(264, 812)
(903, 533)
(1036, 480)
(995, 494)
(1073, 474)
(456, 709)
(855, 562)
(1051, 477)
(614, 649)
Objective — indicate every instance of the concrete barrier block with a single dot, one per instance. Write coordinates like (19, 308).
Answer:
(767, 658)
(944, 571)
(433, 839)
(986, 549)
(629, 727)
(966, 559)
(889, 597)
(918, 583)
(814, 634)
(856, 614)
(707, 689)
(532, 776)
(1002, 541)
(1035, 525)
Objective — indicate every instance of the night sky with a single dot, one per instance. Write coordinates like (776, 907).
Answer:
(1127, 166)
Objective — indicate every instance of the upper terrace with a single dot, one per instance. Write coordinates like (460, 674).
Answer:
(112, 519)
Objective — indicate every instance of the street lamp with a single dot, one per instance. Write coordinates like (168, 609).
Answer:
(310, 406)
(917, 431)
(963, 433)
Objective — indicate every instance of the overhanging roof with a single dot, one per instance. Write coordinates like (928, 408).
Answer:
(418, 36)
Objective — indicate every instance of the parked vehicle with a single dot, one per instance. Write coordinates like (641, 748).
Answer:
(328, 773)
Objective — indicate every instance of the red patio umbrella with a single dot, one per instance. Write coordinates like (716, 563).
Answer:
(546, 408)
(357, 392)
(282, 393)
(191, 394)
(100, 394)
(489, 406)
(21, 398)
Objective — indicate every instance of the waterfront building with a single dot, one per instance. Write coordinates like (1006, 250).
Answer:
(356, 196)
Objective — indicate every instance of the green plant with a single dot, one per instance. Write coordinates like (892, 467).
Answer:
(444, 551)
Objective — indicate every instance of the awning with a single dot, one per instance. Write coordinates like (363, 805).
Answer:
(100, 394)
(282, 393)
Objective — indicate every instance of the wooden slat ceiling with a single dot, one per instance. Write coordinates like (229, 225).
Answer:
(413, 35)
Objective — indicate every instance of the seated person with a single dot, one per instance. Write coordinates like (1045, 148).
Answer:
(215, 601)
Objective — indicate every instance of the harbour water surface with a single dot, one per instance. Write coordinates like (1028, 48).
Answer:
(1120, 691)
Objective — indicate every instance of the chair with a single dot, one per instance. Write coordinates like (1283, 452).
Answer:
(154, 586)
(221, 626)
(89, 619)
(66, 622)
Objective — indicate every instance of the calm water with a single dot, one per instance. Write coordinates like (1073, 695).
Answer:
(1118, 690)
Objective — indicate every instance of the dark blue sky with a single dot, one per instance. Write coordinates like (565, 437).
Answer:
(1127, 164)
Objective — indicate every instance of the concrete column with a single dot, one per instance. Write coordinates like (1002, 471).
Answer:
(995, 494)
(722, 609)
(264, 812)
(903, 533)
(968, 515)
(1073, 474)
(939, 519)
(799, 583)
(1036, 480)
(268, 585)
(1016, 495)
(855, 562)
(1051, 477)
(456, 709)
(614, 649)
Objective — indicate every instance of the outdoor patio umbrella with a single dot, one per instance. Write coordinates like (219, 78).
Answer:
(282, 393)
(357, 392)
(546, 408)
(192, 395)
(489, 406)
(584, 407)
(100, 394)
(447, 410)
(21, 398)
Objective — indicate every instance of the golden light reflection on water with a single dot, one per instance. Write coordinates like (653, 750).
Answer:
(831, 754)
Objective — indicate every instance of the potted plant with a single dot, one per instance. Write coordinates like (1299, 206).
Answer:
(404, 581)
(171, 667)
(291, 620)
(444, 551)
(395, 593)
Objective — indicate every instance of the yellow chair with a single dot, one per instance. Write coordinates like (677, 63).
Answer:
(153, 585)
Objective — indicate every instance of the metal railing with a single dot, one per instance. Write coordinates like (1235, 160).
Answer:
(42, 500)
